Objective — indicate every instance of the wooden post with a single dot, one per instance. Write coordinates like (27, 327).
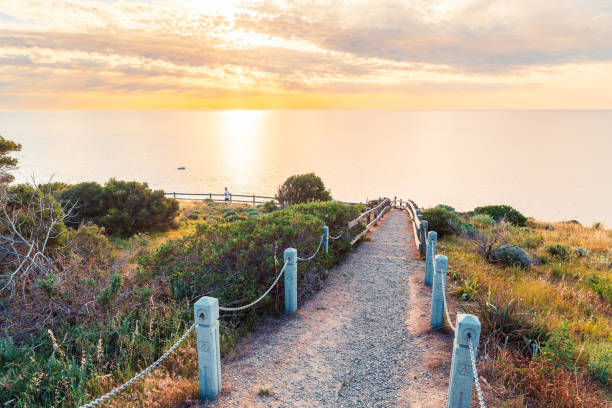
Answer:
(432, 238)
(174, 194)
(424, 226)
(325, 238)
(290, 256)
(437, 292)
(210, 194)
(206, 314)
(462, 376)
(253, 200)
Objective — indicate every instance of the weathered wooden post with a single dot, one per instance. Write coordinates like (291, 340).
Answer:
(424, 227)
(206, 314)
(462, 376)
(174, 194)
(437, 292)
(253, 200)
(432, 238)
(290, 257)
(326, 238)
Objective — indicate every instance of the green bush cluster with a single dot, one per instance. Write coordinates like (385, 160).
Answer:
(482, 220)
(600, 362)
(302, 188)
(558, 251)
(441, 220)
(235, 262)
(512, 255)
(499, 212)
(121, 207)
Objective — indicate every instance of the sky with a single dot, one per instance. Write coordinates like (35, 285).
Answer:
(305, 54)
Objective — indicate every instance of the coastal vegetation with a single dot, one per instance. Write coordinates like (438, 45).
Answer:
(543, 293)
(87, 300)
(302, 188)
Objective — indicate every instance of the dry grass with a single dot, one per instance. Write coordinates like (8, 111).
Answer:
(545, 296)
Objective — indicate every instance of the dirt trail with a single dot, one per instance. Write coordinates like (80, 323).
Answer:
(362, 341)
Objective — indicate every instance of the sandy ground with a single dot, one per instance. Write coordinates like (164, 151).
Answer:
(362, 341)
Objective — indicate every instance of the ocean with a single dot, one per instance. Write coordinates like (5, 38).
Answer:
(552, 165)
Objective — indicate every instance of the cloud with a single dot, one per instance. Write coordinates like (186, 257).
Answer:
(328, 46)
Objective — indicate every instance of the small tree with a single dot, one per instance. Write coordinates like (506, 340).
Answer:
(7, 162)
(302, 188)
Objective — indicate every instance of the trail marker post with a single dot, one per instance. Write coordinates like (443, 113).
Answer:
(206, 314)
(432, 238)
(462, 375)
(326, 238)
(437, 292)
(290, 257)
(424, 227)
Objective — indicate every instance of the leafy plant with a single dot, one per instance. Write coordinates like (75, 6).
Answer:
(558, 252)
(559, 347)
(443, 221)
(121, 207)
(302, 188)
(600, 362)
(499, 212)
(482, 220)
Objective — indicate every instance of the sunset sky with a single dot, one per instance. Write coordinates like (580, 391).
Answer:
(414, 54)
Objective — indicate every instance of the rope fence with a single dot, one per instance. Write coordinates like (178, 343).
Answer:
(466, 328)
(206, 310)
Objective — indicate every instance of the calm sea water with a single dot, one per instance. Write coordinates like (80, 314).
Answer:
(553, 165)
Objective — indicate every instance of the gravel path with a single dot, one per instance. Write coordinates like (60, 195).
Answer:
(362, 341)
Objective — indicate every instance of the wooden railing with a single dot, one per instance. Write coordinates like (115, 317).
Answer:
(251, 199)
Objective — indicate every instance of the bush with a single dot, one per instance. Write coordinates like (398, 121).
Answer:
(443, 221)
(446, 207)
(558, 252)
(559, 348)
(511, 255)
(482, 220)
(499, 212)
(268, 207)
(302, 188)
(533, 241)
(600, 362)
(121, 207)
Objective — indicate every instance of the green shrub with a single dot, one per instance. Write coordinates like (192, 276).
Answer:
(597, 226)
(600, 362)
(533, 241)
(443, 221)
(268, 206)
(47, 284)
(446, 207)
(511, 255)
(559, 348)
(482, 220)
(302, 188)
(7, 162)
(111, 291)
(121, 207)
(499, 212)
(558, 251)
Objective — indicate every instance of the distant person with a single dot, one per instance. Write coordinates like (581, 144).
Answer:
(227, 196)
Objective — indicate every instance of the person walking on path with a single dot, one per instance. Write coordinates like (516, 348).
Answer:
(227, 196)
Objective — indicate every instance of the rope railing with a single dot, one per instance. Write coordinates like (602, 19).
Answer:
(142, 373)
(239, 308)
(308, 258)
(475, 372)
(212, 308)
(467, 327)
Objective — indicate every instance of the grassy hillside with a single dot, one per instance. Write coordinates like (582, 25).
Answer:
(547, 328)
(110, 308)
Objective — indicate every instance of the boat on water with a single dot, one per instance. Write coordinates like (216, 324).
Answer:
(180, 168)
